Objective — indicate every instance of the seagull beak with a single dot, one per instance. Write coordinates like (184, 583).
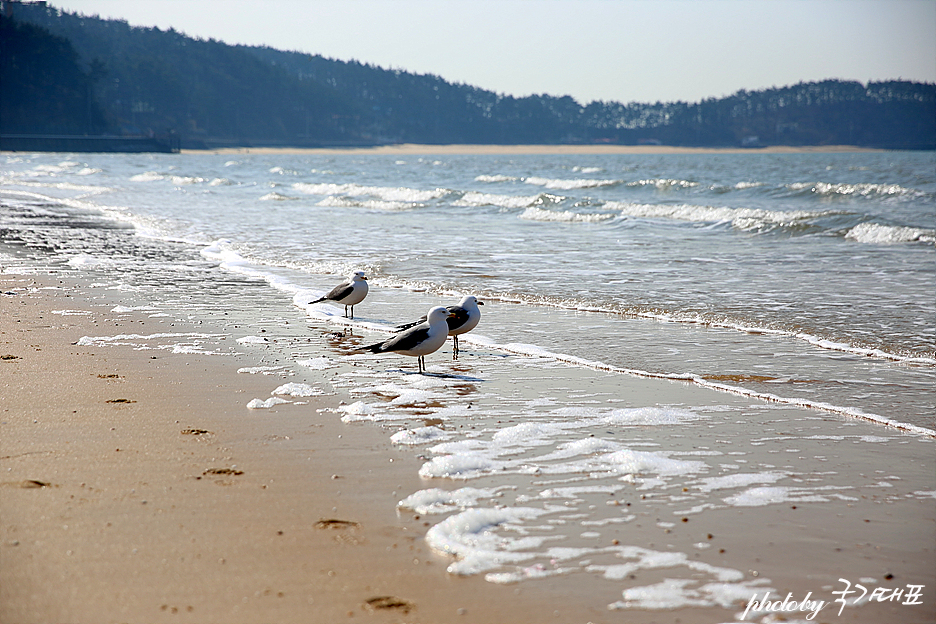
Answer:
(480, 303)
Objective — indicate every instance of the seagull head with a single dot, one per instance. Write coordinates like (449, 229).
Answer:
(438, 313)
(358, 276)
(470, 301)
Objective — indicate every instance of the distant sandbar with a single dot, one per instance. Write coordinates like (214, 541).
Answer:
(414, 149)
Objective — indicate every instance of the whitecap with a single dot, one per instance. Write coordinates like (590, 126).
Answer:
(534, 213)
(148, 176)
(274, 196)
(495, 178)
(572, 184)
(889, 234)
(473, 198)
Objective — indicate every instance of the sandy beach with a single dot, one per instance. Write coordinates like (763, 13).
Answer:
(138, 488)
(412, 149)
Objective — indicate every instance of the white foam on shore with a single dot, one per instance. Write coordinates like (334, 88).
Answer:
(470, 536)
(192, 345)
(318, 363)
(256, 404)
(439, 501)
(252, 340)
(296, 389)
(420, 435)
(681, 593)
(262, 370)
(760, 496)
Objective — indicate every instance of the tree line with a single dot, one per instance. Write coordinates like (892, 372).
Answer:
(63, 72)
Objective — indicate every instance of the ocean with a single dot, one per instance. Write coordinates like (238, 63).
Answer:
(795, 291)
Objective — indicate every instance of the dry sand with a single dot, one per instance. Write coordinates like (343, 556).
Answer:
(412, 149)
(138, 488)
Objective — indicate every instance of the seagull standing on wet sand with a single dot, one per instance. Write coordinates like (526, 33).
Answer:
(419, 340)
(348, 293)
(462, 319)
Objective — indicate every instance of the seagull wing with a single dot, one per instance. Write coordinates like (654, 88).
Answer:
(458, 316)
(340, 291)
(406, 341)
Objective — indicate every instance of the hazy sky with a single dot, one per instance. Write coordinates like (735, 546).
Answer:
(623, 50)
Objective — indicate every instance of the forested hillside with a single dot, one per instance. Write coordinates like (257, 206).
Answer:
(64, 72)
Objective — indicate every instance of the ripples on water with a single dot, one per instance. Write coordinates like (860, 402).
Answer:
(758, 269)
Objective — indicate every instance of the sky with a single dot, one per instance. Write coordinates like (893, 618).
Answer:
(611, 50)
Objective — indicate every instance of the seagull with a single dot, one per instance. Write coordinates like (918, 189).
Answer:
(463, 318)
(348, 293)
(420, 340)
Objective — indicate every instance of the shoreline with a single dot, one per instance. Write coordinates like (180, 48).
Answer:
(142, 482)
(410, 149)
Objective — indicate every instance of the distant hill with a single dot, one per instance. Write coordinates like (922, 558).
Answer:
(65, 72)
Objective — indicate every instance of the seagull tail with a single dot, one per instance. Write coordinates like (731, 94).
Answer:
(377, 347)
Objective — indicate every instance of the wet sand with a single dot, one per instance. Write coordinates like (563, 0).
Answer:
(135, 486)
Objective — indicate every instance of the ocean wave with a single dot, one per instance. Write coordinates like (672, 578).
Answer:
(495, 178)
(865, 189)
(747, 185)
(283, 171)
(370, 204)
(741, 218)
(187, 180)
(473, 198)
(663, 183)
(147, 176)
(889, 234)
(274, 196)
(572, 184)
(386, 193)
(534, 213)
(61, 186)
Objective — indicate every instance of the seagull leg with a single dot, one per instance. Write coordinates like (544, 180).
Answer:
(421, 364)
(455, 348)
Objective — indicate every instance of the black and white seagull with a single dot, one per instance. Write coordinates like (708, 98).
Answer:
(462, 319)
(418, 341)
(348, 293)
